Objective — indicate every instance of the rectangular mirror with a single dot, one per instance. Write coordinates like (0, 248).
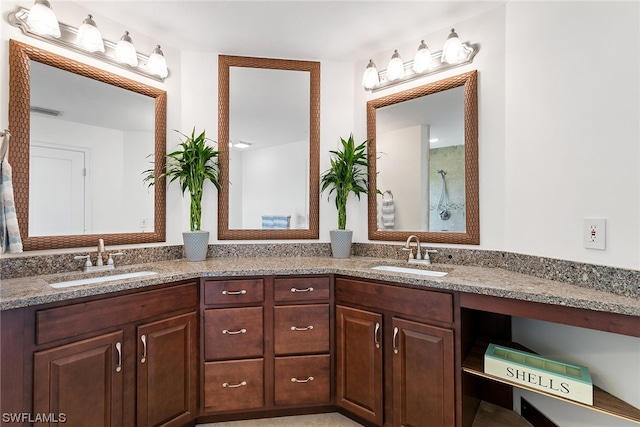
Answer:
(269, 144)
(426, 163)
(81, 138)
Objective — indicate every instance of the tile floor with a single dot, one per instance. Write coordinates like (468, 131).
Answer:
(320, 420)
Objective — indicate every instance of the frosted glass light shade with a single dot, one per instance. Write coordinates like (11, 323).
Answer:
(126, 51)
(42, 20)
(452, 52)
(89, 37)
(422, 60)
(157, 64)
(371, 78)
(395, 69)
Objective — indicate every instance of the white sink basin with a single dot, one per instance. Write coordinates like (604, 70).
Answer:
(409, 270)
(101, 279)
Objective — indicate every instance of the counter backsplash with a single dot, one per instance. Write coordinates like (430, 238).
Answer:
(609, 279)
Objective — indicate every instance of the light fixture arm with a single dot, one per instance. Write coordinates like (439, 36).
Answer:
(67, 39)
(438, 66)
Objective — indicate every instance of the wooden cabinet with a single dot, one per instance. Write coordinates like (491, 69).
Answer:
(167, 357)
(395, 354)
(117, 361)
(423, 366)
(81, 383)
(266, 344)
(359, 372)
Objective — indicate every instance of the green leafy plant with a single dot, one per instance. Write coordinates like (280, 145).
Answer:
(347, 174)
(193, 163)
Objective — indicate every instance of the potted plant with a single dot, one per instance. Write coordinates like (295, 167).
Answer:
(347, 174)
(193, 163)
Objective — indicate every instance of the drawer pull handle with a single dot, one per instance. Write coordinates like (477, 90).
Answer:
(296, 380)
(308, 328)
(144, 349)
(228, 332)
(119, 351)
(227, 385)
(309, 289)
(395, 340)
(241, 292)
(376, 340)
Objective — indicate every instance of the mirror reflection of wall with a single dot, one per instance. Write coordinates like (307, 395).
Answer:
(88, 149)
(415, 139)
(269, 148)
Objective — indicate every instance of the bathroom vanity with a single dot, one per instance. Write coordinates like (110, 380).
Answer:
(237, 338)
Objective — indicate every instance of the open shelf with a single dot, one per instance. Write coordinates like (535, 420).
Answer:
(602, 401)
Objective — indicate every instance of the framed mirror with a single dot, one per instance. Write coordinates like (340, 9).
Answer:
(269, 142)
(423, 160)
(81, 139)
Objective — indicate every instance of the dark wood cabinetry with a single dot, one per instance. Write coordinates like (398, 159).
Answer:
(391, 370)
(266, 344)
(81, 383)
(115, 361)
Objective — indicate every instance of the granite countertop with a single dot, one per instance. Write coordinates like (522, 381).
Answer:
(34, 290)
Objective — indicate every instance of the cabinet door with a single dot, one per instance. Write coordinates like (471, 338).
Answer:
(423, 376)
(80, 384)
(167, 357)
(359, 363)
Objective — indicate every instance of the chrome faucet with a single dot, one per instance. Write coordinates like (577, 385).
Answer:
(408, 248)
(99, 260)
(100, 265)
(419, 258)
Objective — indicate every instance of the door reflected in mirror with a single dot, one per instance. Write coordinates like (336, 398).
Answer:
(87, 157)
(423, 160)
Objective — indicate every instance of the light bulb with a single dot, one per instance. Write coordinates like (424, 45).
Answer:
(422, 60)
(89, 37)
(126, 51)
(371, 78)
(395, 69)
(452, 52)
(157, 64)
(42, 20)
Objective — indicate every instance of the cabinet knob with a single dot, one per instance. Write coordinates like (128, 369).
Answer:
(296, 380)
(119, 351)
(240, 292)
(306, 328)
(309, 289)
(376, 338)
(395, 340)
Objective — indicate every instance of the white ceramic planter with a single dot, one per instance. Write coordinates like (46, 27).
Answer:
(341, 243)
(196, 244)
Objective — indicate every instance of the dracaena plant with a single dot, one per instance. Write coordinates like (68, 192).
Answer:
(347, 174)
(193, 163)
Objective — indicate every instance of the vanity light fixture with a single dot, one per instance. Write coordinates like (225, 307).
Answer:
(126, 51)
(73, 39)
(89, 36)
(43, 20)
(371, 78)
(454, 54)
(157, 64)
(395, 69)
(422, 61)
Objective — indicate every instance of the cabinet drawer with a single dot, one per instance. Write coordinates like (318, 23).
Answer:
(428, 305)
(87, 317)
(234, 291)
(303, 380)
(233, 385)
(301, 329)
(231, 333)
(301, 289)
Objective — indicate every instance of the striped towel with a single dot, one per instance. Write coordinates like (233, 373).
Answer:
(388, 210)
(10, 240)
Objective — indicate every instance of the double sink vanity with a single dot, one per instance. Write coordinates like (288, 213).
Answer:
(383, 341)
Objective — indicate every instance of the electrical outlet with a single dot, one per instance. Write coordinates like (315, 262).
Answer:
(594, 233)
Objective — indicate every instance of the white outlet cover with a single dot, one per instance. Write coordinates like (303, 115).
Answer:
(594, 233)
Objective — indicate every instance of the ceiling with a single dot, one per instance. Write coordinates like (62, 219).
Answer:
(295, 29)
